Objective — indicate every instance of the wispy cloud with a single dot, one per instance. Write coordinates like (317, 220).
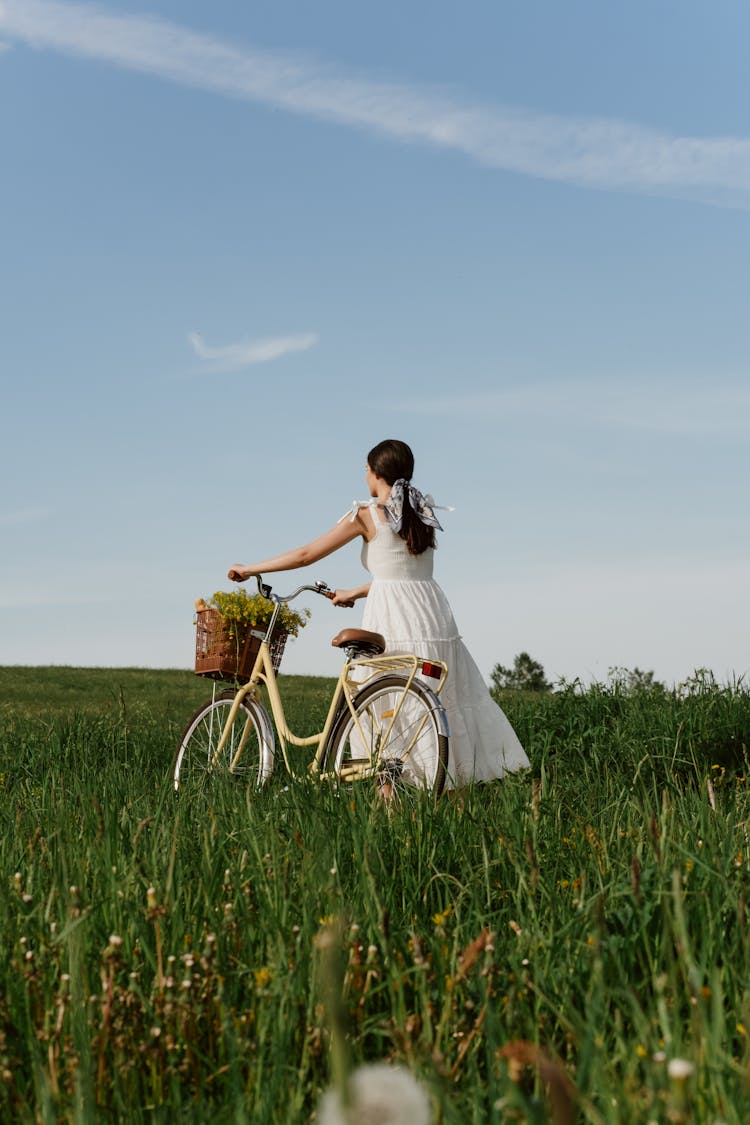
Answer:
(663, 406)
(593, 151)
(23, 516)
(233, 357)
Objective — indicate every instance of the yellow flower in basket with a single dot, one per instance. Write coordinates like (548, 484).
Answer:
(241, 610)
(227, 629)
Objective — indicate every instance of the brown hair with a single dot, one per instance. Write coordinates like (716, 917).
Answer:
(393, 460)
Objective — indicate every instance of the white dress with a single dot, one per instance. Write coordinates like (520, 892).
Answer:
(411, 611)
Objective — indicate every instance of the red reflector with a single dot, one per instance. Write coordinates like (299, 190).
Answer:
(434, 670)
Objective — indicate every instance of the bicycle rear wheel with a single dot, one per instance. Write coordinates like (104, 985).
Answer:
(248, 753)
(398, 733)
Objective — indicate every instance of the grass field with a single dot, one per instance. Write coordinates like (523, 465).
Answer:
(540, 949)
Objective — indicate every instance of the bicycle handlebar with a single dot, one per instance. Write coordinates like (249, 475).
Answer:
(320, 587)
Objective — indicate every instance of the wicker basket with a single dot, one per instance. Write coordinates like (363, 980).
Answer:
(220, 656)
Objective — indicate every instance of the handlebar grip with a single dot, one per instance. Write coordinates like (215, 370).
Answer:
(347, 604)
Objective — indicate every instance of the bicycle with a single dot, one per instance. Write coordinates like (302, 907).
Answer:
(382, 723)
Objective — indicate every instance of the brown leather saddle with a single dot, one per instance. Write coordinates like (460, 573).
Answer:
(360, 642)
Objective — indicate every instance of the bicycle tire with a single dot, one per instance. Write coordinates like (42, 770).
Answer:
(200, 738)
(414, 754)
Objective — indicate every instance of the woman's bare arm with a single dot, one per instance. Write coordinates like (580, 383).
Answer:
(339, 535)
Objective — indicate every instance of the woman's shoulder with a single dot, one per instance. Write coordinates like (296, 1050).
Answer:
(362, 513)
(355, 509)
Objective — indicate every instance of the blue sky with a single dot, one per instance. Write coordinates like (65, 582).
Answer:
(239, 244)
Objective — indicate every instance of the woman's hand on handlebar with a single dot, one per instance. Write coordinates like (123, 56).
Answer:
(343, 598)
(239, 573)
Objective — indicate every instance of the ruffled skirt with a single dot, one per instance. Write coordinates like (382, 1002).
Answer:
(414, 616)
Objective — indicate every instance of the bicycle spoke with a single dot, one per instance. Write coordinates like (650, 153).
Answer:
(395, 731)
(245, 751)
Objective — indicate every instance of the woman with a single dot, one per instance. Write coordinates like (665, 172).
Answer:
(406, 605)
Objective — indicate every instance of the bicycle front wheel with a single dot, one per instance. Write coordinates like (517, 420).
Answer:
(247, 754)
(398, 733)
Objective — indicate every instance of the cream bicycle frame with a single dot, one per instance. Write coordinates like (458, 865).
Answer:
(346, 688)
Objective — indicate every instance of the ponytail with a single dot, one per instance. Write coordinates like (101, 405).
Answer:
(393, 460)
(417, 535)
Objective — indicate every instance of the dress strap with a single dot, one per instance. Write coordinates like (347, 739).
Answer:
(355, 508)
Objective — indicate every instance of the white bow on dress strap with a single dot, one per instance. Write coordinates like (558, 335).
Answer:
(356, 505)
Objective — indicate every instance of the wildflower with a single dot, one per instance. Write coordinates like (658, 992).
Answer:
(641, 1051)
(680, 1069)
(378, 1093)
(742, 1030)
(262, 977)
(441, 918)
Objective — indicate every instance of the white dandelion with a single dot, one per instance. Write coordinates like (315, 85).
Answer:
(380, 1095)
(680, 1069)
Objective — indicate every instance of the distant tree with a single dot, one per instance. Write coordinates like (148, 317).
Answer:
(525, 675)
(633, 680)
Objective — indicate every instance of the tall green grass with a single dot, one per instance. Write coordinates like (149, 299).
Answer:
(536, 949)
